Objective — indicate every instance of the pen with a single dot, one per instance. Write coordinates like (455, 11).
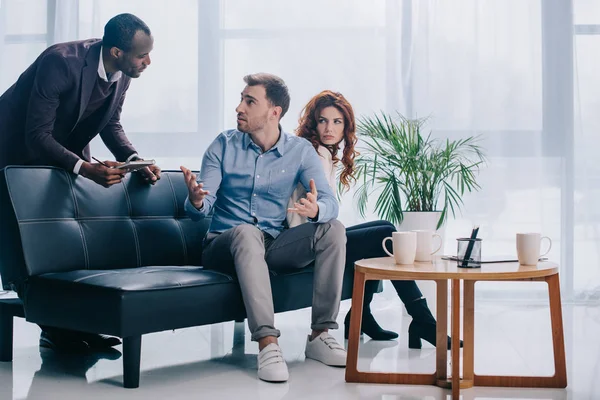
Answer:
(101, 162)
(469, 250)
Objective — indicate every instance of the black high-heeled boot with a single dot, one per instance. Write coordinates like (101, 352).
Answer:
(369, 325)
(423, 325)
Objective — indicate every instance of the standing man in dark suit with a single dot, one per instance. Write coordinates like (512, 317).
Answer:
(72, 92)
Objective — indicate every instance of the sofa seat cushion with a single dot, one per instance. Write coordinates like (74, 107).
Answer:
(127, 302)
(140, 279)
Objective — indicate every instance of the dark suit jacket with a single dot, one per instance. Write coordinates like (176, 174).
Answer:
(41, 110)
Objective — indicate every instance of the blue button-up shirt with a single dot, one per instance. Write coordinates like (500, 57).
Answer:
(248, 186)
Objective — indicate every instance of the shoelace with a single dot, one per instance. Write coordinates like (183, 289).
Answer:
(272, 356)
(332, 343)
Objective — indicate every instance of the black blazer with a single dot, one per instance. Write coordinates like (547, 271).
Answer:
(41, 110)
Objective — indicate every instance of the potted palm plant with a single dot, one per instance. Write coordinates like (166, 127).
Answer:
(414, 176)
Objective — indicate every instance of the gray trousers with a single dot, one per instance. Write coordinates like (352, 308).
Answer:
(251, 254)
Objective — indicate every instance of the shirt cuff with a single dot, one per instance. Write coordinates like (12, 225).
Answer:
(320, 214)
(131, 157)
(194, 213)
(77, 167)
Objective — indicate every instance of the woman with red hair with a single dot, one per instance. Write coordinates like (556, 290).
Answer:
(327, 121)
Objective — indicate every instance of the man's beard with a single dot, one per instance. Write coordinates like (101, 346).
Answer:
(254, 127)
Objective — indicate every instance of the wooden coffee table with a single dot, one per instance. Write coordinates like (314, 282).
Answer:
(442, 272)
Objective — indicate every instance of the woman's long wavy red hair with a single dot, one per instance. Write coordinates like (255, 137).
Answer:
(307, 128)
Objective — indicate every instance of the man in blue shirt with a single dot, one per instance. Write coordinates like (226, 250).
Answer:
(247, 177)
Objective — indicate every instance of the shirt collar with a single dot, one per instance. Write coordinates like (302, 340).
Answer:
(102, 72)
(279, 146)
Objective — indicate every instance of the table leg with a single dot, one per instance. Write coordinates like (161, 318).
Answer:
(441, 351)
(455, 353)
(358, 296)
(469, 330)
(558, 339)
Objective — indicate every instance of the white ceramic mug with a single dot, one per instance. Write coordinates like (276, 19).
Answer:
(404, 246)
(425, 245)
(528, 248)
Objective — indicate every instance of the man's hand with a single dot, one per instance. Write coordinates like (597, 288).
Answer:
(102, 175)
(195, 191)
(307, 207)
(150, 174)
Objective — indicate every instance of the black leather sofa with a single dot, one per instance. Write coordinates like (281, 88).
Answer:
(122, 261)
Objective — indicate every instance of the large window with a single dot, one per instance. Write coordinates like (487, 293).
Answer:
(165, 98)
(23, 35)
(586, 196)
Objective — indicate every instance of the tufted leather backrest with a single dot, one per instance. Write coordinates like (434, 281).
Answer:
(52, 221)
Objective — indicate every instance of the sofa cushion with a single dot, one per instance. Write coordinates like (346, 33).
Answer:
(139, 279)
(126, 301)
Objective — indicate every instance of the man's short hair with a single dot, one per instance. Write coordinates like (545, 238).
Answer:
(277, 91)
(120, 30)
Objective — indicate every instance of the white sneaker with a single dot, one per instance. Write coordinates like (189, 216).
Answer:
(271, 365)
(326, 349)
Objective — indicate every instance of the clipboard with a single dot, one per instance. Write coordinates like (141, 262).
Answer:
(135, 165)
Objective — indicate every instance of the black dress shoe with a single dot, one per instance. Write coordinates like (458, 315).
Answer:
(109, 353)
(98, 342)
(63, 343)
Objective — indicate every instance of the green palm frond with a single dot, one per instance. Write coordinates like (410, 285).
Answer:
(412, 172)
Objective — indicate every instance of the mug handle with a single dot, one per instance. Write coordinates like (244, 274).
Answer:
(440, 246)
(549, 247)
(383, 245)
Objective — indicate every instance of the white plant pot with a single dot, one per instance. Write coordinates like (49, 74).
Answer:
(425, 220)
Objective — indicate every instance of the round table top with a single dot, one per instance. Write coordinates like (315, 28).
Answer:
(446, 269)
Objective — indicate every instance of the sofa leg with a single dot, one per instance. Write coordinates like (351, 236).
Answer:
(6, 336)
(132, 347)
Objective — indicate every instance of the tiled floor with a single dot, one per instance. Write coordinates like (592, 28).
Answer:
(219, 361)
